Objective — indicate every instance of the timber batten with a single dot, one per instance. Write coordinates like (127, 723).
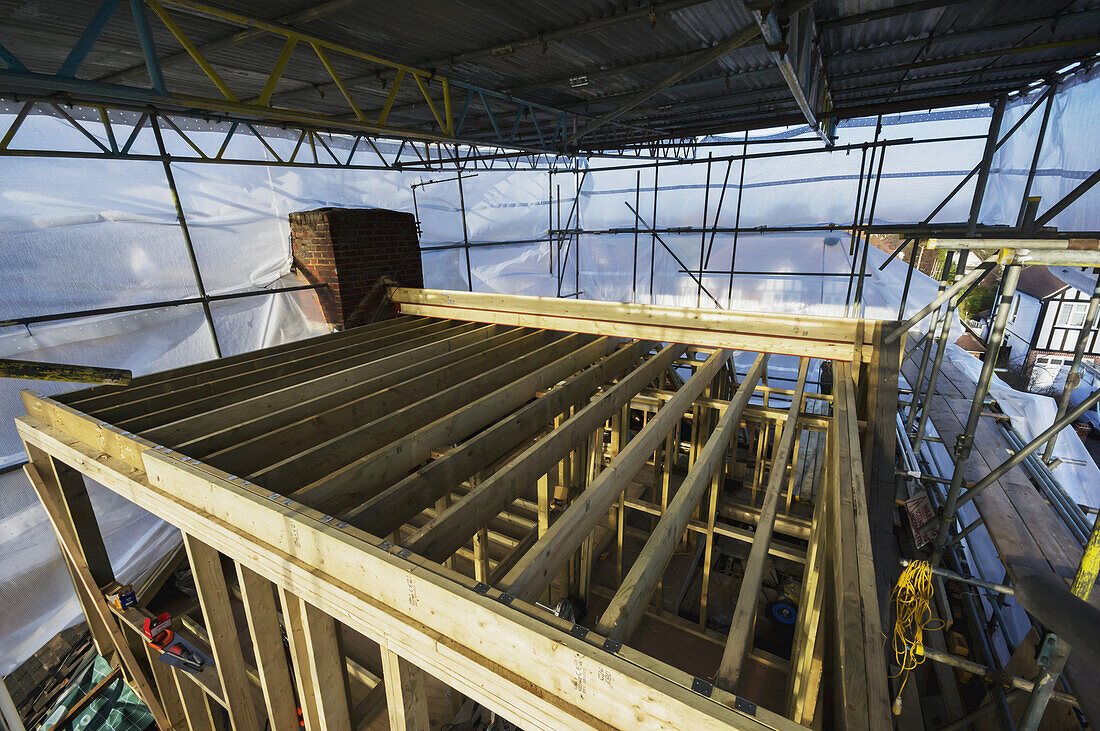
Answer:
(496, 457)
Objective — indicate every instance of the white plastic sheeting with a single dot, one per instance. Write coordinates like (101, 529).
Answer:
(1070, 153)
(79, 234)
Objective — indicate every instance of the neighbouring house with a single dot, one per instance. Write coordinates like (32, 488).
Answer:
(1047, 313)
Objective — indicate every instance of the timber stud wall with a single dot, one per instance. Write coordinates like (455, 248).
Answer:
(348, 249)
(329, 488)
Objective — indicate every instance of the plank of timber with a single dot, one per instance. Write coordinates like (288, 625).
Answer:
(877, 687)
(144, 411)
(850, 691)
(443, 535)
(163, 381)
(196, 705)
(110, 440)
(406, 700)
(213, 395)
(859, 690)
(294, 622)
(402, 390)
(77, 509)
(206, 568)
(378, 470)
(743, 625)
(53, 499)
(801, 690)
(514, 659)
(369, 708)
(215, 429)
(76, 708)
(821, 337)
(133, 620)
(294, 468)
(166, 689)
(626, 608)
(537, 568)
(382, 514)
(880, 458)
(327, 669)
(258, 597)
(1028, 536)
(88, 538)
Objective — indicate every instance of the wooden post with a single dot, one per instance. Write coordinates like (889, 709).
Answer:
(258, 596)
(206, 568)
(740, 638)
(406, 700)
(53, 501)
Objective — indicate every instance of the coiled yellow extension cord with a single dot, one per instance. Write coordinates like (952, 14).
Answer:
(912, 606)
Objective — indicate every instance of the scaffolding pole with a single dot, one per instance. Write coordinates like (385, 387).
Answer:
(165, 161)
(1073, 378)
(965, 442)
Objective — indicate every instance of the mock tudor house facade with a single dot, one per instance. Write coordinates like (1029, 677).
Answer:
(1046, 317)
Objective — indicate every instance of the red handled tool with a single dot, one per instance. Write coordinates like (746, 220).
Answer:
(159, 632)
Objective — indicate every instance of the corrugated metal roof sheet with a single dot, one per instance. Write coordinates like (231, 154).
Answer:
(878, 54)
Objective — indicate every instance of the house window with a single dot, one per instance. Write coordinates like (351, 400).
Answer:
(1072, 314)
(1015, 307)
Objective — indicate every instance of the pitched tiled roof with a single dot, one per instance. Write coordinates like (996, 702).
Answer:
(1039, 282)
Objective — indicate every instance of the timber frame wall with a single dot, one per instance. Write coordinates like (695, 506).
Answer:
(332, 486)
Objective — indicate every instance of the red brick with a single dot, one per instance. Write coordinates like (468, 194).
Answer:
(347, 249)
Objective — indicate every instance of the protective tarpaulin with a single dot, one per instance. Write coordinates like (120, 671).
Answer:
(1070, 153)
(80, 234)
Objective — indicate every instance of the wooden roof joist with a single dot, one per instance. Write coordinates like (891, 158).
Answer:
(426, 482)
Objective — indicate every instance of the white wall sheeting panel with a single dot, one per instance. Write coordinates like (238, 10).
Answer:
(80, 234)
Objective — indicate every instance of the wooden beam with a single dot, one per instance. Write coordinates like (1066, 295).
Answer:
(311, 463)
(395, 391)
(803, 335)
(744, 614)
(627, 607)
(76, 708)
(857, 557)
(167, 691)
(142, 414)
(37, 371)
(880, 457)
(206, 568)
(382, 514)
(294, 623)
(164, 381)
(327, 668)
(537, 568)
(802, 689)
(196, 705)
(368, 475)
(215, 429)
(406, 700)
(443, 535)
(508, 658)
(258, 597)
(53, 500)
(76, 506)
(132, 621)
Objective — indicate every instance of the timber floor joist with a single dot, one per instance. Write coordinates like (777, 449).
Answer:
(576, 514)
